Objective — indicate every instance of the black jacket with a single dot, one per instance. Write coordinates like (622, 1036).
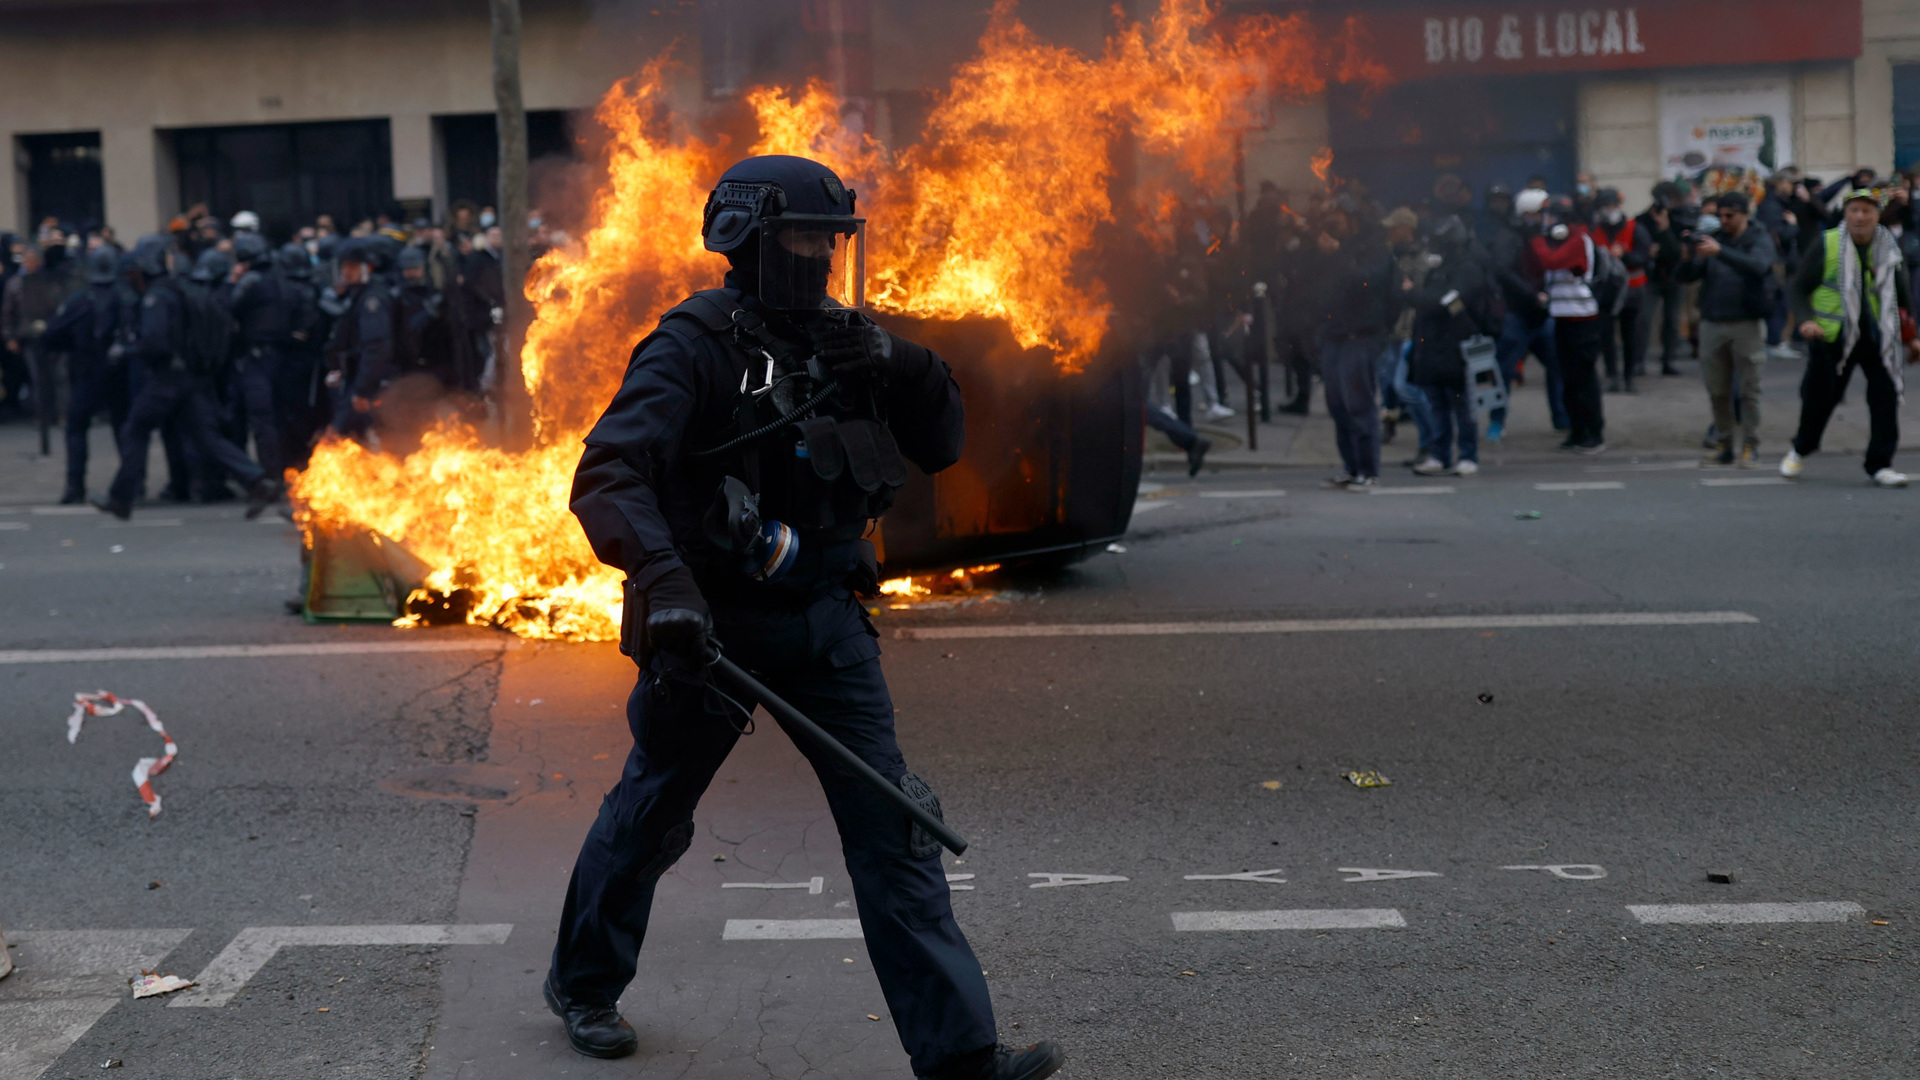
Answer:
(1519, 287)
(1354, 289)
(85, 326)
(640, 496)
(1733, 284)
(1453, 304)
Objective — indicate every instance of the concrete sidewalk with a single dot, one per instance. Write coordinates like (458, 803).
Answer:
(1666, 418)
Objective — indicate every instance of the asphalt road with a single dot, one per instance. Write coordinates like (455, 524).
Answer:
(1776, 747)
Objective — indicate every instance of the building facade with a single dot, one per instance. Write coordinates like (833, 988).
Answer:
(129, 111)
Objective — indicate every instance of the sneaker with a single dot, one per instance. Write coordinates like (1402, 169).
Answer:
(1430, 466)
(1469, 467)
(1495, 429)
(1749, 456)
(1218, 412)
(1366, 485)
(1197, 455)
(1722, 455)
(1887, 478)
(74, 495)
(1791, 465)
(1340, 481)
(1591, 447)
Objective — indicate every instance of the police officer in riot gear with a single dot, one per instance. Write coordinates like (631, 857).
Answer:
(760, 418)
(420, 324)
(298, 399)
(168, 342)
(85, 328)
(260, 320)
(360, 348)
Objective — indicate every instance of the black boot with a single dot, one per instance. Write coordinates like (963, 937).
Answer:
(260, 496)
(74, 495)
(1036, 1062)
(118, 509)
(1197, 454)
(594, 1030)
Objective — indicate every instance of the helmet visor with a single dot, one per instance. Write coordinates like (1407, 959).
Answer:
(810, 261)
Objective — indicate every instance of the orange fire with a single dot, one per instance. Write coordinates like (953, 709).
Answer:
(1322, 163)
(992, 214)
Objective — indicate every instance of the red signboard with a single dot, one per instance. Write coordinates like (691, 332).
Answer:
(1490, 39)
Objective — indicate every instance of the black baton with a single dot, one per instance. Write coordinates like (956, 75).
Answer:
(797, 726)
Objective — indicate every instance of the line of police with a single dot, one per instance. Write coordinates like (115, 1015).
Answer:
(217, 349)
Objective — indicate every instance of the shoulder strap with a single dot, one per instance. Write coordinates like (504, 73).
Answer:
(711, 308)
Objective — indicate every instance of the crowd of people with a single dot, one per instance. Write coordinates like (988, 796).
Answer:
(1389, 308)
(216, 338)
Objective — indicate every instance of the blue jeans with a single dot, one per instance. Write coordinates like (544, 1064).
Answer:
(1518, 337)
(1350, 372)
(1452, 409)
(1412, 398)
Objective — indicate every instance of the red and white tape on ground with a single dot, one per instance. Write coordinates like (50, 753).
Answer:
(103, 703)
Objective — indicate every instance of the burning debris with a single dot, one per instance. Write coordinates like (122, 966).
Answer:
(997, 213)
(957, 586)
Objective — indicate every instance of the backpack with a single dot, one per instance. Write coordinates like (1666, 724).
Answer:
(205, 341)
(1607, 278)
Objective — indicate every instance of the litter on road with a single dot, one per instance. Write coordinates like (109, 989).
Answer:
(151, 984)
(1527, 515)
(1367, 779)
(103, 703)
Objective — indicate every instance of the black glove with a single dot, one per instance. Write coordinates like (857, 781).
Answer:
(853, 351)
(678, 625)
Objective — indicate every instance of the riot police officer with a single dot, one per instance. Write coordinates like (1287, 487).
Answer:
(173, 344)
(420, 320)
(260, 321)
(297, 398)
(360, 353)
(758, 415)
(85, 328)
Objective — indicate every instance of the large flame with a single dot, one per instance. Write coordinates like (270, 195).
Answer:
(992, 214)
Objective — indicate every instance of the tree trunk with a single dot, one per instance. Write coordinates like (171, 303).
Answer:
(516, 407)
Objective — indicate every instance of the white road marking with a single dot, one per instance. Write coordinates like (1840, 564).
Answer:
(246, 652)
(1819, 911)
(953, 878)
(252, 947)
(1581, 485)
(1298, 919)
(1745, 481)
(63, 511)
(789, 929)
(1383, 875)
(1651, 466)
(1434, 489)
(1264, 877)
(1251, 493)
(142, 523)
(1567, 871)
(1148, 487)
(1316, 626)
(1145, 505)
(14, 526)
(1061, 881)
(814, 886)
(66, 980)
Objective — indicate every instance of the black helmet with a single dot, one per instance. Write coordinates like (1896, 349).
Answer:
(413, 256)
(250, 247)
(150, 254)
(293, 261)
(212, 266)
(778, 220)
(103, 265)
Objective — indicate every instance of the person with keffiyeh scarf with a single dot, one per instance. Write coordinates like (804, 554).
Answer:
(1849, 297)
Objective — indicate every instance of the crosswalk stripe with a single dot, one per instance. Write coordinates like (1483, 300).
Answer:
(251, 948)
(789, 929)
(1693, 914)
(1433, 489)
(1744, 481)
(1581, 485)
(253, 652)
(1250, 493)
(1295, 919)
(1315, 626)
(66, 981)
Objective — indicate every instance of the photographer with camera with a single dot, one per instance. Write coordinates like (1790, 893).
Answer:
(1733, 265)
(1662, 222)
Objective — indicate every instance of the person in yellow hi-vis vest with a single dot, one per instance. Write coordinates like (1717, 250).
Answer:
(1854, 305)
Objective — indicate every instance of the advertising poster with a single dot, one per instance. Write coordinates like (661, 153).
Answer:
(1726, 134)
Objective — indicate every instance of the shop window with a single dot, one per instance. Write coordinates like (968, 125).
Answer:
(288, 173)
(471, 150)
(63, 179)
(1397, 141)
(1906, 115)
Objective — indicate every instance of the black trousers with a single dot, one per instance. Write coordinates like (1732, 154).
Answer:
(166, 395)
(299, 403)
(1822, 387)
(1180, 434)
(250, 397)
(94, 386)
(1625, 332)
(823, 659)
(1576, 346)
(1669, 295)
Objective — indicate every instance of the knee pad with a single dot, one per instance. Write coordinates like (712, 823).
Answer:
(673, 844)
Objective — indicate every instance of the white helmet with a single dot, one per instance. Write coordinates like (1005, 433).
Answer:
(1530, 201)
(246, 219)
